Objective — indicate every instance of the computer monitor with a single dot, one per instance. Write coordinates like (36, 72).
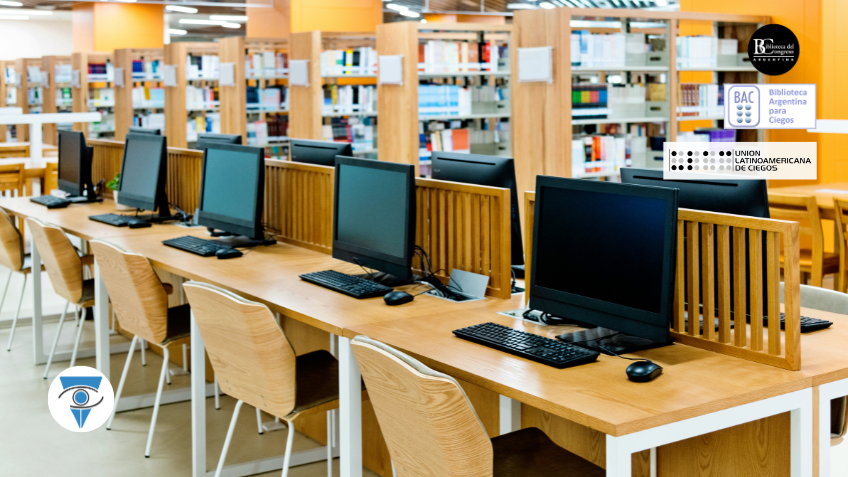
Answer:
(74, 164)
(322, 153)
(232, 191)
(374, 216)
(490, 171)
(143, 174)
(140, 130)
(203, 140)
(604, 254)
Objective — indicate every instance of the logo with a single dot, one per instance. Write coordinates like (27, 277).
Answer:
(773, 50)
(81, 399)
(743, 109)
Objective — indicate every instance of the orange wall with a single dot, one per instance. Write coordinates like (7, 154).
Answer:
(336, 15)
(488, 19)
(82, 23)
(269, 22)
(109, 26)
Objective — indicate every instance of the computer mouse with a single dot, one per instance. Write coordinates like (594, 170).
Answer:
(643, 371)
(226, 253)
(397, 298)
(139, 224)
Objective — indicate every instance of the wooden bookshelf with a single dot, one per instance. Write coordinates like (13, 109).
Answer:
(3, 91)
(88, 84)
(50, 103)
(125, 108)
(305, 102)
(177, 113)
(26, 83)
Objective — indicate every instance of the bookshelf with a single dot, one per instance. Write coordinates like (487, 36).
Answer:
(256, 106)
(95, 92)
(8, 79)
(457, 84)
(193, 103)
(140, 98)
(30, 92)
(57, 93)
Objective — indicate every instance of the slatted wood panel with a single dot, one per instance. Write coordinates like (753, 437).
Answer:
(299, 203)
(466, 227)
(106, 163)
(695, 283)
(185, 167)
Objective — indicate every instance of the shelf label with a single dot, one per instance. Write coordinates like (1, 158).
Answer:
(770, 106)
(739, 160)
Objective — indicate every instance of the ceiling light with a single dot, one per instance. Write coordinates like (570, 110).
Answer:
(547, 5)
(175, 31)
(178, 8)
(230, 25)
(520, 6)
(191, 21)
(423, 20)
(661, 3)
(229, 18)
(14, 17)
(6, 3)
(399, 8)
(127, 1)
(409, 13)
(9, 11)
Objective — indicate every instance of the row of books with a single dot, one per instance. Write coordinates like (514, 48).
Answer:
(153, 120)
(353, 61)
(360, 132)
(34, 96)
(438, 56)
(201, 98)
(700, 99)
(272, 98)
(349, 99)
(271, 132)
(708, 135)
(147, 69)
(10, 76)
(279, 152)
(443, 100)
(703, 51)
(460, 136)
(589, 101)
(101, 97)
(202, 67)
(590, 50)
(63, 97)
(101, 71)
(106, 125)
(62, 73)
(600, 154)
(146, 97)
(209, 123)
(267, 64)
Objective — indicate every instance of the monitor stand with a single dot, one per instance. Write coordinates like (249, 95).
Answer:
(157, 218)
(386, 279)
(620, 343)
(241, 241)
(81, 199)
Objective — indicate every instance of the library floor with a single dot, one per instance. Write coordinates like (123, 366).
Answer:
(31, 443)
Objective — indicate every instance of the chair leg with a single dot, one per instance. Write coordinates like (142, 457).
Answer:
(289, 441)
(259, 421)
(6, 290)
(156, 402)
(330, 435)
(79, 335)
(17, 314)
(229, 438)
(55, 342)
(217, 394)
(143, 353)
(121, 383)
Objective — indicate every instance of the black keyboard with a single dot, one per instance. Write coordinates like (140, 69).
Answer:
(527, 345)
(807, 324)
(113, 219)
(51, 202)
(198, 246)
(347, 284)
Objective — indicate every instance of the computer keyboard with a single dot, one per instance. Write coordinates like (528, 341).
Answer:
(347, 284)
(807, 324)
(527, 345)
(199, 246)
(51, 202)
(113, 219)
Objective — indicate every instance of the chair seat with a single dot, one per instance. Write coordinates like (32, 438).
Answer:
(179, 324)
(531, 453)
(87, 293)
(316, 380)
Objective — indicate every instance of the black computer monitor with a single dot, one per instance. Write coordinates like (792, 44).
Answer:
(143, 174)
(739, 197)
(488, 171)
(203, 140)
(374, 215)
(140, 130)
(322, 153)
(74, 164)
(232, 191)
(604, 254)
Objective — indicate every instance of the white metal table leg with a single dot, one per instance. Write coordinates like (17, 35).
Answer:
(827, 392)
(350, 407)
(37, 323)
(35, 143)
(101, 321)
(510, 415)
(198, 403)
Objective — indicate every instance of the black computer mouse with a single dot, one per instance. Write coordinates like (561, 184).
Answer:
(397, 298)
(643, 371)
(139, 224)
(226, 253)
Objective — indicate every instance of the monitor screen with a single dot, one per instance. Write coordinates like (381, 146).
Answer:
(321, 153)
(141, 168)
(230, 190)
(70, 156)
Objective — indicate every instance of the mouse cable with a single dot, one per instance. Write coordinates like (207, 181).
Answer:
(370, 275)
(630, 359)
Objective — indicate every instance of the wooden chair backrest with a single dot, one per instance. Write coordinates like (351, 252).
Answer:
(11, 243)
(251, 356)
(14, 150)
(803, 209)
(63, 264)
(12, 177)
(138, 297)
(51, 177)
(429, 425)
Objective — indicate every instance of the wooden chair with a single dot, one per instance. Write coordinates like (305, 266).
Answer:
(12, 178)
(140, 302)
(256, 364)
(12, 256)
(63, 264)
(431, 428)
(51, 177)
(840, 210)
(814, 262)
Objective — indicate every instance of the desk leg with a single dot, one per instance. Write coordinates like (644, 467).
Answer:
(510, 415)
(101, 322)
(198, 402)
(350, 409)
(37, 323)
(827, 393)
(35, 142)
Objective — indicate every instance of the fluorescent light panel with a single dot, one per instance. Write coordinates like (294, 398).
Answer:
(397, 8)
(520, 6)
(6, 3)
(229, 18)
(14, 17)
(176, 31)
(24, 11)
(181, 9)
(230, 25)
(547, 5)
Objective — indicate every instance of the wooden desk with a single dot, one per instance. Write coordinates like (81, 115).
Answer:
(824, 195)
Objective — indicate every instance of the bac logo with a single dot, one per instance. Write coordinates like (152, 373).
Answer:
(81, 399)
(743, 106)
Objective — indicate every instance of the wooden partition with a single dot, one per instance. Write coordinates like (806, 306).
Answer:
(299, 203)
(704, 259)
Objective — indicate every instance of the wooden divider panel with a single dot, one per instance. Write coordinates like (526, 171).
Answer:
(106, 163)
(185, 167)
(299, 203)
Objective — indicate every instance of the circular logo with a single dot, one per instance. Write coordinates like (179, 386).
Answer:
(81, 399)
(773, 49)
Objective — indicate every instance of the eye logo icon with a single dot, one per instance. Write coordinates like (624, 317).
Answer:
(81, 399)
